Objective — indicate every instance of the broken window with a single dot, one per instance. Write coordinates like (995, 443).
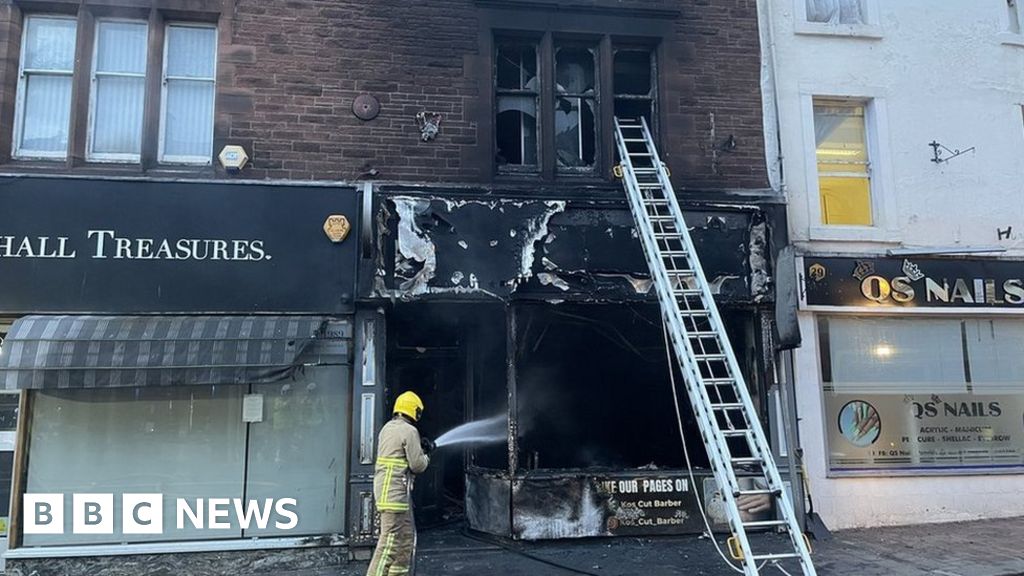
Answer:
(575, 107)
(835, 11)
(634, 84)
(518, 89)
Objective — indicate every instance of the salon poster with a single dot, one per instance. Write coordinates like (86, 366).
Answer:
(924, 433)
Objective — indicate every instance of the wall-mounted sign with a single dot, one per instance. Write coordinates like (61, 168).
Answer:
(913, 282)
(72, 245)
(924, 432)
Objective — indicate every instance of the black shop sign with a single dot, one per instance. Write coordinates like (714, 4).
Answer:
(913, 282)
(104, 246)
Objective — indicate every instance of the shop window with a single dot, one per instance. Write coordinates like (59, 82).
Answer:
(836, 11)
(115, 103)
(192, 442)
(844, 168)
(118, 90)
(44, 87)
(518, 93)
(189, 81)
(575, 107)
(919, 395)
(635, 91)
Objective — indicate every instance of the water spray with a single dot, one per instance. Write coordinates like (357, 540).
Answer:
(487, 431)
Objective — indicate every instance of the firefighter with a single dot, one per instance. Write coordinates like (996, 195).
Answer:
(401, 453)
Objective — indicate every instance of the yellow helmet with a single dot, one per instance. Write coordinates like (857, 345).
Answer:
(409, 404)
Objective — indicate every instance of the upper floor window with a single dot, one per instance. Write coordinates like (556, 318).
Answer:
(844, 168)
(836, 11)
(518, 99)
(119, 71)
(554, 125)
(43, 107)
(189, 82)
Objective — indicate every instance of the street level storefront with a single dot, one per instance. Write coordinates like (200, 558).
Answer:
(911, 387)
(189, 344)
(536, 316)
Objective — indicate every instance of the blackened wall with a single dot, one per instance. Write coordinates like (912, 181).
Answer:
(289, 70)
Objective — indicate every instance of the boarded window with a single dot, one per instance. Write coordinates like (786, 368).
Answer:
(518, 90)
(844, 170)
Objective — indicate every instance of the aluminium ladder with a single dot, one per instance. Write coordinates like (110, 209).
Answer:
(730, 429)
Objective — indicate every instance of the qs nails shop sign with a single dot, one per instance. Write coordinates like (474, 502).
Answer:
(917, 282)
(923, 393)
(117, 246)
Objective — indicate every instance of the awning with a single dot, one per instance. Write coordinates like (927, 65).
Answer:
(49, 352)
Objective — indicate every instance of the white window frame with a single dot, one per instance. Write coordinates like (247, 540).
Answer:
(19, 102)
(90, 155)
(876, 133)
(871, 29)
(186, 160)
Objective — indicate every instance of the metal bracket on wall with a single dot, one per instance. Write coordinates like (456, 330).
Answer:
(938, 148)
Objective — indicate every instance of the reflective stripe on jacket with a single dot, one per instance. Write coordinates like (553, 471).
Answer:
(399, 456)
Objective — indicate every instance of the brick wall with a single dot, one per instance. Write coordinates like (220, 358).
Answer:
(290, 69)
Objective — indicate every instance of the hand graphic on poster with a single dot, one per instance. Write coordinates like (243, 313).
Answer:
(860, 423)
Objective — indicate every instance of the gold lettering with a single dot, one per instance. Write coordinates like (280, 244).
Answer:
(902, 291)
(875, 288)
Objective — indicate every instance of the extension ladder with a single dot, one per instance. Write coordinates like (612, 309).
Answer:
(735, 441)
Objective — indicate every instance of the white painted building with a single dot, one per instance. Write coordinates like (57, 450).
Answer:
(910, 377)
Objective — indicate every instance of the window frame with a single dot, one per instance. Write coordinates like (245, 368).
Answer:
(90, 132)
(851, 103)
(17, 152)
(603, 44)
(536, 43)
(876, 133)
(652, 96)
(870, 29)
(595, 49)
(161, 157)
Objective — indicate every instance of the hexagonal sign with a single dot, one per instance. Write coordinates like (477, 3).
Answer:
(337, 227)
(233, 158)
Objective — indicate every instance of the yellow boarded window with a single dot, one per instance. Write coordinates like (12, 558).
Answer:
(844, 171)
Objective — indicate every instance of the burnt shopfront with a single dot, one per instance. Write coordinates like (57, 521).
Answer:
(188, 342)
(538, 318)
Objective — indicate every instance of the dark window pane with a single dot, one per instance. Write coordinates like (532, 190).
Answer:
(633, 72)
(574, 70)
(575, 132)
(633, 109)
(516, 129)
(517, 67)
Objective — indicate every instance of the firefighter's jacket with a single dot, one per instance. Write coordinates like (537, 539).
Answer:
(399, 456)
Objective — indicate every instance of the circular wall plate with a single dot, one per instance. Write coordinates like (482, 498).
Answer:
(366, 107)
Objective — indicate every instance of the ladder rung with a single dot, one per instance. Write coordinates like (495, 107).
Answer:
(674, 253)
(662, 218)
(655, 201)
(776, 556)
(747, 460)
(634, 140)
(710, 356)
(735, 433)
(707, 335)
(688, 292)
(727, 406)
(764, 523)
(693, 313)
(640, 154)
(667, 235)
(755, 491)
(649, 185)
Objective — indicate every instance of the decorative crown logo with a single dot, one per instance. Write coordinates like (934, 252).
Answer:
(912, 271)
(863, 269)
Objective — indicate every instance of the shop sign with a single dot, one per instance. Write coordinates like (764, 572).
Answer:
(74, 245)
(913, 282)
(647, 505)
(924, 432)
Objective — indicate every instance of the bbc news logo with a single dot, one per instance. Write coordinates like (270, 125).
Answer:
(144, 513)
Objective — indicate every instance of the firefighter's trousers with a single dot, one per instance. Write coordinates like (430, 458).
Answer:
(396, 546)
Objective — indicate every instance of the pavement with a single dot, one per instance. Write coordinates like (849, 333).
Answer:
(981, 548)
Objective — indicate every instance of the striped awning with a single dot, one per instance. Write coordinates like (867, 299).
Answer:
(48, 352)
